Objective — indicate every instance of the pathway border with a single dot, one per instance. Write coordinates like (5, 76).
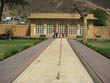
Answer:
(12, 67)
(97, 65)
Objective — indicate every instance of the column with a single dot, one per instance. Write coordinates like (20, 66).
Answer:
(45, 29)
(91, 29)
(32, 28)
(78, 30)
(56, 28)
(67, 29)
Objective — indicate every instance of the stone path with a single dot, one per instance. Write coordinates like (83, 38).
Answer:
(57, 64)
(97, 65)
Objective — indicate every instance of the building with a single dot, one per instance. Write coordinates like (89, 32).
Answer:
(67, 23)
(44, 24)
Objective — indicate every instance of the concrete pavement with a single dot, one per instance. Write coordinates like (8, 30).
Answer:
(97, 65)
(57, 64)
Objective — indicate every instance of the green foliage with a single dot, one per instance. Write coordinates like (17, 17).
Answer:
(23, 17)
(11, 47)
(42, 35)
(101, 15)
(10, 53)
(1, 57)
(9, 33)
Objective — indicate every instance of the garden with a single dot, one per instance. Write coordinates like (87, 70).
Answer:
(12, 47)
(102, 47)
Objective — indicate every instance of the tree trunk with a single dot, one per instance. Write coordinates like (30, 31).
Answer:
(1, 9)
(85, 29)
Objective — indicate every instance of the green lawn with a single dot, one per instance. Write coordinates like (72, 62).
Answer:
(11, 47)
(103, 47)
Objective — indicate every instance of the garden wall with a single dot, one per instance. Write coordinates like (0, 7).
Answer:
(17, 30)
(102, 31)
(24, 30)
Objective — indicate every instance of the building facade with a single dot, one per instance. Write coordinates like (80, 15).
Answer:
(62, 23)
(47, 23)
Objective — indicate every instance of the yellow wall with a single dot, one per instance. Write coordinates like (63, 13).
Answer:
(91, 29)
(24, 30)
(18, 30)
(104, 31)
(3, 28)
(32, 25)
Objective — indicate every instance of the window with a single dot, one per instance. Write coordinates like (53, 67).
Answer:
(39, 29)
(72, 29)
(50, 28)
(61, 28)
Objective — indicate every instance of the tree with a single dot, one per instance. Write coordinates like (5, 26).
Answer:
(10, 4)
(101, 15)
(81, 8)
(9, 33)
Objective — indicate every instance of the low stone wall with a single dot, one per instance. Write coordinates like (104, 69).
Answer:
(102, 31)
(17, 30)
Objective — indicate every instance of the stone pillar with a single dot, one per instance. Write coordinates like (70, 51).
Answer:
(56, 28)
(67, 27)
(78, 30)
(45, 29)
(32, 28)
(91, 28)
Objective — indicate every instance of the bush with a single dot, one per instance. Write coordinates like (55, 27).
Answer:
(10, 53)
(27, 37)
(1, 57)
(79, 36)
(42, 35)
(3, 34)
(25, 47)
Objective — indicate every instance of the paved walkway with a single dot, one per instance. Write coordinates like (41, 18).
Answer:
(57, 64)
(99, 64)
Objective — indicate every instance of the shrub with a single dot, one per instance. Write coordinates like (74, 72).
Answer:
(3, 34)
(101, 15)
(25, 47)
(42, 35)
(1, 57)
(10, 53)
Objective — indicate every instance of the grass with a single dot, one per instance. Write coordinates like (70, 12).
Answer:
(11, 47)
(103, 47)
